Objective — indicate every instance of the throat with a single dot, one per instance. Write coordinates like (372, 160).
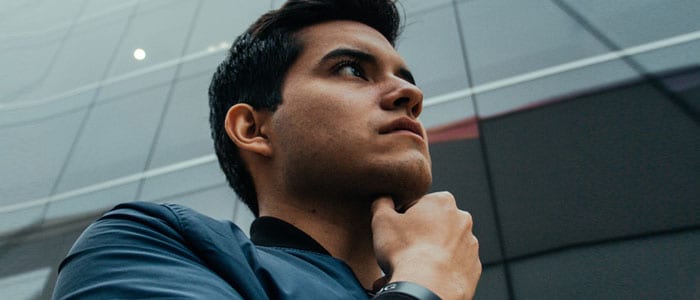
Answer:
(363, 264)
(345, 233)
(357, 251)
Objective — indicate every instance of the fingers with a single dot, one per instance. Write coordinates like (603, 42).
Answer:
(383, 204)
(430, 243)
(383, 211)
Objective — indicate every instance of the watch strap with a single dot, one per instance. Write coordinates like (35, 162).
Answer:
(406, 288)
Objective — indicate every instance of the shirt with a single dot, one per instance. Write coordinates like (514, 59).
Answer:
(146, 250)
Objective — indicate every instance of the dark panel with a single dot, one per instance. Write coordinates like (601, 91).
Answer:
(458, 168)
(608, 164)
(685, 84)
(26, 256)
(492, 284)
(654, 268)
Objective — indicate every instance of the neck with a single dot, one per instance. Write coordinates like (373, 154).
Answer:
(341, 226)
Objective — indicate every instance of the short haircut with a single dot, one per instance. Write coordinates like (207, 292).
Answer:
(256, 65)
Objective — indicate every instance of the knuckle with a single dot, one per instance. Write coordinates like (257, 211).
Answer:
(448, 197)
(446, 194)
(467, 215)
(442, 196)
(445, 199)
(468, 218)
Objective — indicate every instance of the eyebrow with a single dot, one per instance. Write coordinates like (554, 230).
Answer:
(365, 58)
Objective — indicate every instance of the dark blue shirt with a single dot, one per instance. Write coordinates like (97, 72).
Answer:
(145, 250)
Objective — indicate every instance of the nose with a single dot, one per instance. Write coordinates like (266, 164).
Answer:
(403, 95)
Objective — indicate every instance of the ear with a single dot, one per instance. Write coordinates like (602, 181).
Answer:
(247, 128)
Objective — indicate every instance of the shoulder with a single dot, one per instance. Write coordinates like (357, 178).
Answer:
(151, 225)
(141, 248)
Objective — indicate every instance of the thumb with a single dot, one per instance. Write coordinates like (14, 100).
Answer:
(382, 204)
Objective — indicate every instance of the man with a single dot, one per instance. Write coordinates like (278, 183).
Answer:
(314, 118)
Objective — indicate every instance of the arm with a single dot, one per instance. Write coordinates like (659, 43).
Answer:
(430, 244)
(136, 254)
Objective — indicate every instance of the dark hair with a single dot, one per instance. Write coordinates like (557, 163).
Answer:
(256, 65)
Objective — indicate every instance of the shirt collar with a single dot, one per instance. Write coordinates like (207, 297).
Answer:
(273, 232)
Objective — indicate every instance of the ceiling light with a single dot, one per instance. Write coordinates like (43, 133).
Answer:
(139, 54)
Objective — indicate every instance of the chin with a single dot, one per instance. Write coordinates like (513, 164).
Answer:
(409, 193)
(405, 182)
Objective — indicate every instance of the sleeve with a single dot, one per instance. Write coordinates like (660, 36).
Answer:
(136, 253)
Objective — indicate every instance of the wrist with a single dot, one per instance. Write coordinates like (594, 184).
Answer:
(442, 284)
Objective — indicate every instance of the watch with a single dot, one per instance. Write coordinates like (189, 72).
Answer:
(406, 290)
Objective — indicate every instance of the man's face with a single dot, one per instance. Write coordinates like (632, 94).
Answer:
(347, 125)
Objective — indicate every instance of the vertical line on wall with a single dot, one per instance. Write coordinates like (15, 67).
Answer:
(653, 80)
(168, 98)
(88, 110)
(484, 156)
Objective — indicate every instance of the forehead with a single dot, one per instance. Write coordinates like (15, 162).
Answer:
(322, 38)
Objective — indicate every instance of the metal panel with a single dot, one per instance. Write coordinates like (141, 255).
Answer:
(608, 164)
(663, 267)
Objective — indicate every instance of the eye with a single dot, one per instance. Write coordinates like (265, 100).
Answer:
(350, 68)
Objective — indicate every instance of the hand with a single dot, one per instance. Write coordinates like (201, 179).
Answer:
(430, 244)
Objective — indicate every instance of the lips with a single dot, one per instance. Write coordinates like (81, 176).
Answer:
(403, 124)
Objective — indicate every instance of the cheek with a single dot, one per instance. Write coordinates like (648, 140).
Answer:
(328, 115)
(334, 118)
